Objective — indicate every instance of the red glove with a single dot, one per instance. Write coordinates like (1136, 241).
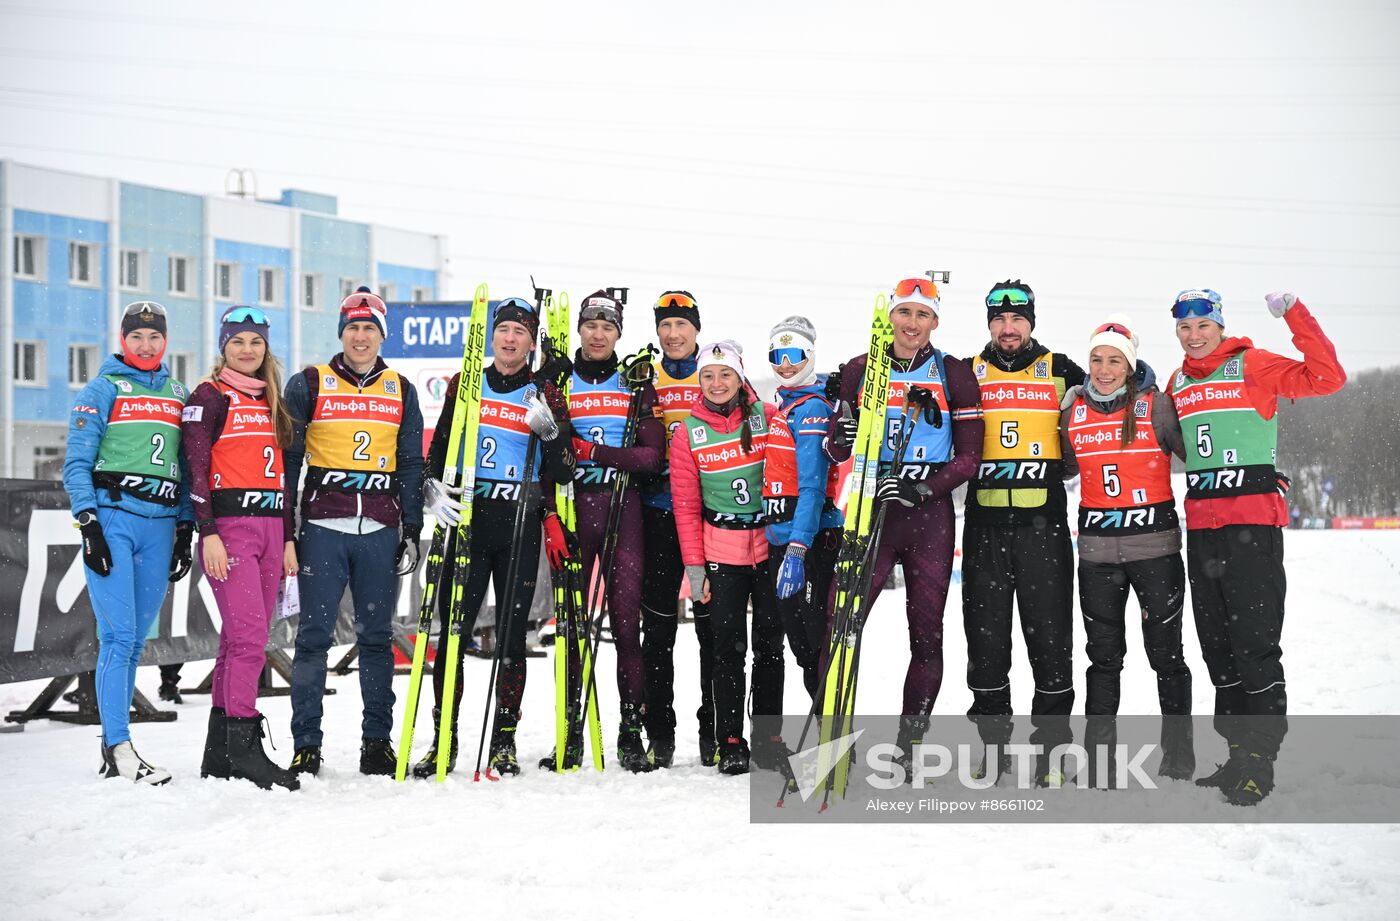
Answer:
(583, 449)
(555, 546)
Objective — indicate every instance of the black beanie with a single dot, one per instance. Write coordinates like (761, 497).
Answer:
(677, 304)
(999, 300)
(140, 315)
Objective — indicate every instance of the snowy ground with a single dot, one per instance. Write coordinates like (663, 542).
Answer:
(678, 844)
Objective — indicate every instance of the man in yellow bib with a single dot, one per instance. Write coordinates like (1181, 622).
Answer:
(359, 431)
(1016, 541)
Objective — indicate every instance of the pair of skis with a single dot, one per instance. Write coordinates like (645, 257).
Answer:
(462, 439)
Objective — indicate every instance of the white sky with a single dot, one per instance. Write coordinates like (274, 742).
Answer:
(778, 158)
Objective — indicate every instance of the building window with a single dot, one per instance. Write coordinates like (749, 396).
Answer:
(312, 292)
(224, 273)
(182, 366)
(82, 263)
(29, 364)
(29, 258)
(422, 294)
(179, 282)
(82, 362)
(48, 462)
(386, 292)
(348, 286)
(269, 283)
(131, 274)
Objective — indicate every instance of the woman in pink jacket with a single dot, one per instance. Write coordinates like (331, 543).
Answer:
(717, 485)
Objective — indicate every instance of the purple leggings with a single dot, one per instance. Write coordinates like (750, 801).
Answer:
(920, 538)
(246, 600)
(624, 588)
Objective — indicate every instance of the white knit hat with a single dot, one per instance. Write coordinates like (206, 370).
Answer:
(795, 333)
(725, 352)
(1116, 333)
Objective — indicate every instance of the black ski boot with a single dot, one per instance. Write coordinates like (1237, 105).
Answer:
(709, 749)
(307, 760)
(427, 765)
(170, 691)
(503, 760)
(1225, 774)
(993, 769)
(631, 754)
(1253, 782)
(573, 750)
(734, 756)
(661, 752)
(377, 758)
(215, 763)
(1178, 749)
(247, 760)
(769, 753)
(911, 734)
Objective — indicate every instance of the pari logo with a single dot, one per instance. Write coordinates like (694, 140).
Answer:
(157, 489)
(1012, 470)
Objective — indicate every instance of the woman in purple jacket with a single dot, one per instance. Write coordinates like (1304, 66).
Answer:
(235, 427)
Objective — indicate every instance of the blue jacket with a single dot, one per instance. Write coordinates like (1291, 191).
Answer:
(87, 424)
(808, 431)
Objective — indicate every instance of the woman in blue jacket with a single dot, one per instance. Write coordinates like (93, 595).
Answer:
(126, 485)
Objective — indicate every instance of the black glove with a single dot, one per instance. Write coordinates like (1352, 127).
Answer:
(555, 370)
(180, 556)
(843, 433)
(907, 493)
(921, 399)
(96, 554)
(406, 556)
(639, 369)
(833, 386)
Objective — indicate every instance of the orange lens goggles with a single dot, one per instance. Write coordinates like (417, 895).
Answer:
(1118, 328)
(676, 299)
(908, 286)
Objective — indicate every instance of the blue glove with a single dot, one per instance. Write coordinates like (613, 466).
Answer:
(792, 576)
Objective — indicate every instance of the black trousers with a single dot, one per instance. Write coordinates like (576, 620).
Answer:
(1160, 586)
(804, 616)
(1031, 566)
(1237, 594)
(660, 590)
(732, 588)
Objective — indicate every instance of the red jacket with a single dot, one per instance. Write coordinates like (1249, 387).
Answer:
(702, 542)
(1266, 378)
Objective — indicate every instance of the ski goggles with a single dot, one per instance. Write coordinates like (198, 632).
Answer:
(1118, 328)
(787, 356)
(906, 287)
(140, 307)
(515, 302)
(1194, 307)
(245, 315)
(600, 308)
(1008, 297)
(677, 299)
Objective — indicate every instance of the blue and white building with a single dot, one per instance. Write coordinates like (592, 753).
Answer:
(78, 248)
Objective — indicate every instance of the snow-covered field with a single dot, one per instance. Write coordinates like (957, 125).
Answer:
(678, 844)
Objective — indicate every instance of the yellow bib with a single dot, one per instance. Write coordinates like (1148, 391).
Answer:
(355, 428)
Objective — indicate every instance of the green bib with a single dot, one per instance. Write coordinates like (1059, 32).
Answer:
(1230, 449)
(140, 450)
(731, 482)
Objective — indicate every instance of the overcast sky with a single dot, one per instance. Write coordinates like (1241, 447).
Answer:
(779, 158)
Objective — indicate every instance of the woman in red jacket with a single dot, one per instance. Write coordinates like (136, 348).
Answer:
(235, 427)
(717, 458)
(1226, 394)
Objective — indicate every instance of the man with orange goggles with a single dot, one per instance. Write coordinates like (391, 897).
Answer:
(1016, 540)
(942, 454)
(677, 386)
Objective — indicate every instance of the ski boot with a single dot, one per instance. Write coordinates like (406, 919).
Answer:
(247, 760)
(215, 763)
(630, 752)
(573, 750)
(1178, 749)
(170, 689)
(1225, 774)
(1253, 782)
(377, 758)
(661, 752)
(121, 760)
(307, 760)
(503, 760)
(1050, 772)
(427, 765)
(734, 756)
(709, 749)
(911, 734)
(993, 768)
